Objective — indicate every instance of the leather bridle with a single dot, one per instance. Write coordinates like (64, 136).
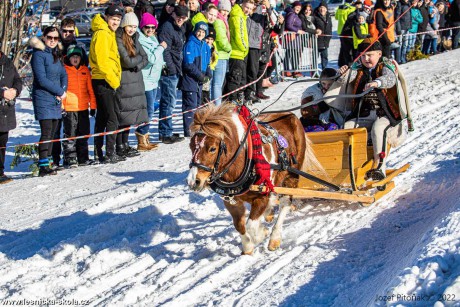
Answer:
(247, 177)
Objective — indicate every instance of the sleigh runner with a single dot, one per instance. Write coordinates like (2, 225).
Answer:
(344, 155)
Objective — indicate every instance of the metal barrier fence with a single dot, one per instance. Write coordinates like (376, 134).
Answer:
(298, 53)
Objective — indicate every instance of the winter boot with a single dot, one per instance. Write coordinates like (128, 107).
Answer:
(114, 158)
(46, 171)
(131, 151)
(4, 179)
(71, 162)
(143, 142)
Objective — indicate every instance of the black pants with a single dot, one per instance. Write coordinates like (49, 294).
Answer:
(48, 129)
(76, 124)
(3, 141)
(346, 51)
(386, 51)
(122, 137)
(252, 70)
(57, 148)
(106, 116)
(236, 76)
(271, 68)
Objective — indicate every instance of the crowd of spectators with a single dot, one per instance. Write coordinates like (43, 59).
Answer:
(205, 49)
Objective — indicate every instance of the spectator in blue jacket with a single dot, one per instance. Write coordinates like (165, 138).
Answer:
(172, 33)
(197, 71)
(48, 91)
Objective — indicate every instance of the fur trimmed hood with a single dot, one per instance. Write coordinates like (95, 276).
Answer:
(37, 43)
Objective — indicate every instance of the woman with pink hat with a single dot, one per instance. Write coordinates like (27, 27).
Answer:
(152, 72)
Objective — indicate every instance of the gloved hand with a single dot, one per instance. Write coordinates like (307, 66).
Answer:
(324, 117)
(63, 113)
(92, 112)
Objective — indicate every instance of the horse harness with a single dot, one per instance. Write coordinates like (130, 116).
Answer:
(228, 190)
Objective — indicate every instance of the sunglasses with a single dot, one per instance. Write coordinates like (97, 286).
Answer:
(150, 27)
(52, 38)
(68, 31)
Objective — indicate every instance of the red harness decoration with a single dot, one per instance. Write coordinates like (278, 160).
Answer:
(260, 164)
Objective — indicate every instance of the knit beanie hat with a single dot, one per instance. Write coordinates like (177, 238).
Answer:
(224, 5)
(130, 19)
(364, 14)
(148, 19)
(367, 4)
(367, 42)
(201, 25)
(74, 50)
(211, 32)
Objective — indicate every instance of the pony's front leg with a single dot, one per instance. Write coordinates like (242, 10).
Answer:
(237, 211)
(255, 227)
(275, 237)
(270, 211)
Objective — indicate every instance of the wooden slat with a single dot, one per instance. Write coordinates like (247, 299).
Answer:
(305, 193)
(338, 148)
(390, 175)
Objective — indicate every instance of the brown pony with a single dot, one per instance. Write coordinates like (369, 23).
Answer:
(217, 134)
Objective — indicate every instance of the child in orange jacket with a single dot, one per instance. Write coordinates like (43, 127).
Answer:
(80, 97)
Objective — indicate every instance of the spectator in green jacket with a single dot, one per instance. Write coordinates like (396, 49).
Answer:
(239, 41)
(346, 43)
(223, 49)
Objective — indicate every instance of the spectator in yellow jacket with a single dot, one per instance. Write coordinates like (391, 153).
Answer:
(106, 69)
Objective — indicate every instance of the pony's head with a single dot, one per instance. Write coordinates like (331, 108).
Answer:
(211, 127)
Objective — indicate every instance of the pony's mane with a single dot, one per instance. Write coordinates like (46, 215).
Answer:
(215, 121)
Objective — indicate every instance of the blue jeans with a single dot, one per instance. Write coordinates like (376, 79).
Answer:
(324, 60)
(152, 106)
(410, 42)
(217, 81)
(168, 85)
(429, 45)
(455, 35)
(404, 46)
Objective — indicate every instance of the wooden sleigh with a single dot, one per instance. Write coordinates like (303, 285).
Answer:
(346, 158)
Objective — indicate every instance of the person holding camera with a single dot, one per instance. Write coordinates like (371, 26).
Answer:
(10, 88)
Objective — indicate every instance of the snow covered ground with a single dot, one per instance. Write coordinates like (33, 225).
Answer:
(134, 234)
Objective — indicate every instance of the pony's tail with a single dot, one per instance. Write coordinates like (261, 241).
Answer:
(310, 162)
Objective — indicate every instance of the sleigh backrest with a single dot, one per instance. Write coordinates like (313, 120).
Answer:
(331, 148)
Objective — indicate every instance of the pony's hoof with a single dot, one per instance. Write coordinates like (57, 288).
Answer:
(266, 232)
(273, 245)
(269, 218)
(249, 253)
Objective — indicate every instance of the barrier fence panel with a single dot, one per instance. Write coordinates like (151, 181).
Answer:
(298, 53)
